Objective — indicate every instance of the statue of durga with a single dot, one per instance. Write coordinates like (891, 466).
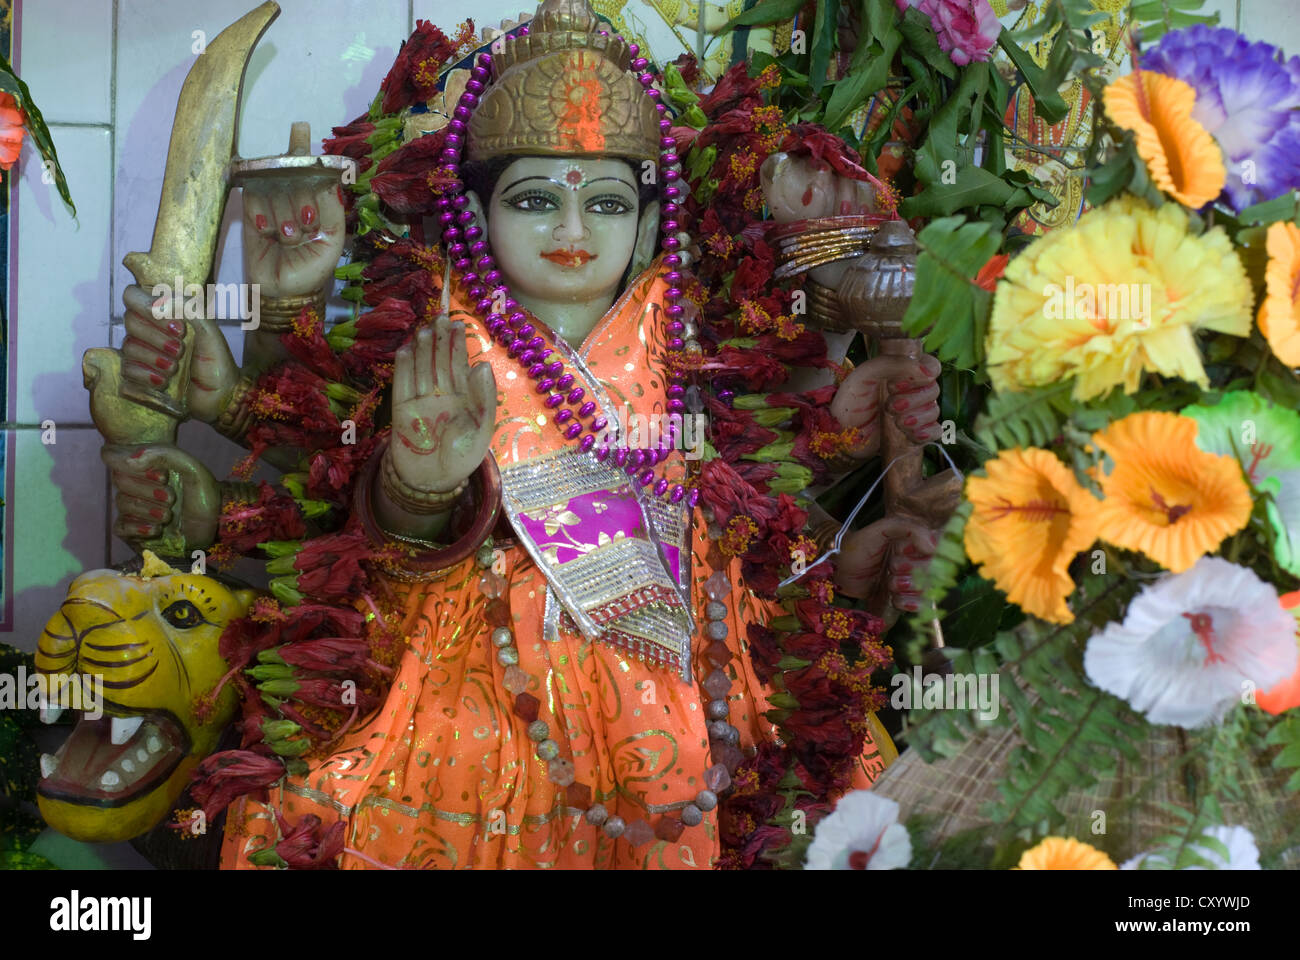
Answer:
(573, 690)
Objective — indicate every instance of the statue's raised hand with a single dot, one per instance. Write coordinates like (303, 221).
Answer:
(293, 235)
(443, 410)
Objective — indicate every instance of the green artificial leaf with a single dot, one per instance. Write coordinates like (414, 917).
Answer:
(1111, 177)
(1049, 105)
(1285, 207)
(948, 309)
(12, 84)
(1022, 418)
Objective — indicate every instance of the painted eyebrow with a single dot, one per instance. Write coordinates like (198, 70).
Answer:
(565, 186)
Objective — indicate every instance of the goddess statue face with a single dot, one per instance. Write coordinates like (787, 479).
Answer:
(564, 229)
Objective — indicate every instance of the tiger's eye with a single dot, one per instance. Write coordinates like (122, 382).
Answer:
(183, 614)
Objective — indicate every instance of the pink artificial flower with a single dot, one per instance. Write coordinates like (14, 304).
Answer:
(967, 29)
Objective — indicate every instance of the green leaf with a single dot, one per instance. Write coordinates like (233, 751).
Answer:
(1284, 207)
(947, 303)
(1048, 103)
(1111, 177)
(11, 83)
(823, 42)
(1028, 418)
(769, 11)
(850, 92)
(916, 29)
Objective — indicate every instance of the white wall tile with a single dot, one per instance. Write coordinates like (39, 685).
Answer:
(62, 304)
(321, 62)
(65, 55)
(60, 511)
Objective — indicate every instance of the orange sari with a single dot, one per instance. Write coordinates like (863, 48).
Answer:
(444, 775)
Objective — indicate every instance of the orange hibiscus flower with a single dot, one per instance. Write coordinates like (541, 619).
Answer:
(1279, 314)
(1165, 496)
(1181, 155)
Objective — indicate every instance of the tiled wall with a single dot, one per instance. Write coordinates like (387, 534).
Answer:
(107, 73)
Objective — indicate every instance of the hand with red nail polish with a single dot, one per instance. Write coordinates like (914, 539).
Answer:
(146, 498)
(881, 561)
(153, 345)
(293, 236)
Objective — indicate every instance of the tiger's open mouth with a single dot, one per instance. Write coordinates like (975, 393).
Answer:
(113, 760)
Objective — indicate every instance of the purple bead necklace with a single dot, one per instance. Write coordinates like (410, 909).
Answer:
(471, 258)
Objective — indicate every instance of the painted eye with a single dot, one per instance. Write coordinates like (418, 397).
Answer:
(183, 614)
(533, 203)
(609, 206)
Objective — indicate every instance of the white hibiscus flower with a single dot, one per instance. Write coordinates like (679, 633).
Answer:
(1193, 643)
(1242, 852)
(863, 833)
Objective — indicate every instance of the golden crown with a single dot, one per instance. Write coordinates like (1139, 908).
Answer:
(564, 88)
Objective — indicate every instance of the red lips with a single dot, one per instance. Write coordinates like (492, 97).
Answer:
(569, 258)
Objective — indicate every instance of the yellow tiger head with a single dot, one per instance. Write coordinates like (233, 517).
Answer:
(145, 648)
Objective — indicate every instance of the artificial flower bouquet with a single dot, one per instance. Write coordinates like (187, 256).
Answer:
(1135, 520)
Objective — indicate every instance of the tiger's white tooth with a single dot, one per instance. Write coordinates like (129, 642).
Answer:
(110, 780)
(127, 766)
(50, 714)
(48, 765)
(142, 755)
(124, 729)
(154, 745)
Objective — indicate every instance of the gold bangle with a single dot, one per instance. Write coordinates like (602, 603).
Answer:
(413, 500)
(238, 415)
(277, 314)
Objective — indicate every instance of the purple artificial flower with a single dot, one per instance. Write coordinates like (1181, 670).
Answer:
(1247, 97)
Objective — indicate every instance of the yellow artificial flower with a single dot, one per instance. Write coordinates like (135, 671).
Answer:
(1062, 853)
(1121, 292)
(1182, 157)
(1279, 314)
(1165, 496)
(1029, 519)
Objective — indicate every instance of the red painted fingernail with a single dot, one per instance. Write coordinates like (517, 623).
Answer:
(142, 529)
(307, 215)
(172, 348)
(162, 363)
(911, 606)
(260, 220)
(902, 386)
(160, 494)
(155, 475)
(156, 380)
(899, 404)
(137, 455)
(910, 551)
(903, 567)
(176, 328)
(157, 512)
(288, 229)
(902, 583)
(908, 421)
